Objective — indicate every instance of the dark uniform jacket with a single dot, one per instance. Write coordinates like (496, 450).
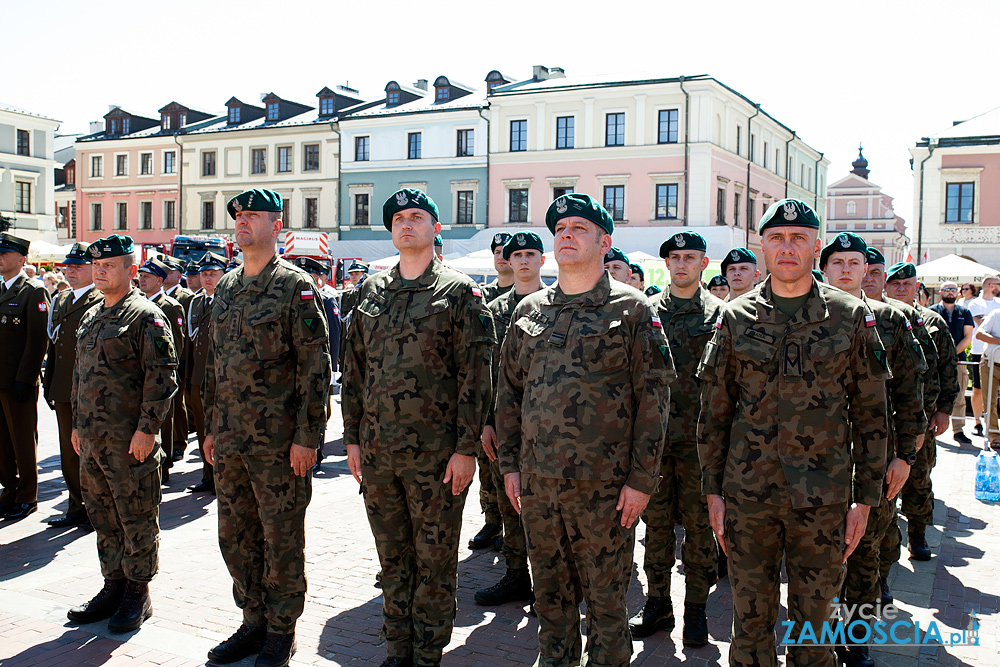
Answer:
(199, 330)
(947, 359)
(66, 316)
(24, 316)
(174, 312)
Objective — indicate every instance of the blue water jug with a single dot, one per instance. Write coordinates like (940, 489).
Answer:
(993, 475)
(982, 474)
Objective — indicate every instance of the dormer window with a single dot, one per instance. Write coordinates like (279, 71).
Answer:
(272, 111)
(392, 98)
(125, 126)
(326, 106)
(165, 121)
(183, 120)
(441, 94)
(234, 115)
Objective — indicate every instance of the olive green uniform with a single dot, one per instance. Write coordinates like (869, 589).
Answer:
(174, 313)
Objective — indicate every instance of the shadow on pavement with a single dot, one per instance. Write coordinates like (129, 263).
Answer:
(35, 550)
(74, 647)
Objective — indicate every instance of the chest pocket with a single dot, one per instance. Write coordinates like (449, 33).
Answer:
(116, 345)
(827, 356)
(754, 366)
(268, 333)
(603, 347)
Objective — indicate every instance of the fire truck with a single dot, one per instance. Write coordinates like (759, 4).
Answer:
(193, 248)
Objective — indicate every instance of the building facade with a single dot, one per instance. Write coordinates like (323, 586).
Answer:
(27, 173)
(956, 191)
(855, 204)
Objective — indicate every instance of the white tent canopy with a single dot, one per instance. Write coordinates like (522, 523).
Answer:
(953, 268)
(42, 251)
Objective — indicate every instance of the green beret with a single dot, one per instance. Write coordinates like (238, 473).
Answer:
(875, 256)
(652, 290)
(11, 243)
(843, 242)
(438, 241)
(111, 246)
(211, 262)
(638, 269)
(499, 240)
(155, 267)
(683, 241)
(404, 199)
(78, 255)
(522, 241)
(788, 213)
(615, 255)
(901, 271)
(257, 199)
(738, 256)
(718, 281)
(818, 275)
(580, 205)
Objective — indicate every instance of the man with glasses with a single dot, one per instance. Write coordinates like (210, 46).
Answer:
(961, 326)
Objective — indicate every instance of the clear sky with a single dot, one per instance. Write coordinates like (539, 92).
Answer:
(881, 72)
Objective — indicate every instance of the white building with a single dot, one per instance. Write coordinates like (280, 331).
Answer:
(27, 173)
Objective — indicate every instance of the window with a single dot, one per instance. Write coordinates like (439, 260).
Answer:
(852, 208)
(96, 213)
(518, 211)
(165, 121)
(441, 94)
(466, 143)
(751, 210)
(739, 140)
(668, 127)
(518, 135)
(802, 175)
(312, 213)
(765, 155)
(413, 145)
(208, 215)
(125, 125)
(666, 201)
(286, 211)
(614, 129)
(272, 111)
(392, 98)
(96, 166)
(777, 159)
(466, 211)
(809, 181)
(23, 142)
(71, 175)
(168, 161)
(284, 159)
(737, 198)
(720, 207)
(121, 165)
(753, 147)
(234, 115)
(614, 200)
(208, 163)
(960, 197)
(565, 131)
(361, 149)
(121, 215)
(361, 210)
(169, 214)
(145, 164)
(145, 215)
(559, 192)
(326, 106)
(182, 119)
(258, 161)
(310, 159)
(23, 197)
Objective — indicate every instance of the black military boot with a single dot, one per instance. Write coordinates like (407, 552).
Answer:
(855, 656)
(103, 606)
(396, 661)
(886, 593)
(515, 586)
(136, 607)
(656, 614)
(277, 651)
(245, 641)
(486, 537)
(695, 625)
(919, 549)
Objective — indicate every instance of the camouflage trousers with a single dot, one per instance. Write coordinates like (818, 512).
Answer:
(417, 524)
(917, 495)
(122, 497)
(489, 492)
(514, 551)
(892, 542)
(811, 540)
(861, 580)
(578, 551)
(262, 512)
(679, 494)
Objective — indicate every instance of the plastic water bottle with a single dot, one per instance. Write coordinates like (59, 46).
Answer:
(993, 474)
(982, 474)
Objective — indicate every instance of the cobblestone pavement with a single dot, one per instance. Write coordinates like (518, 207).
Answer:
(45, 571)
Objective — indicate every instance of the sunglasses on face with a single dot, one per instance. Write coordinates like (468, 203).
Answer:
(949, 289)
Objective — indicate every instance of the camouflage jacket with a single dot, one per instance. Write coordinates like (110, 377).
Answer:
(584, 387)
(492, 290)
(688, 327)
(417, 363)
(267, 375)
(784, 398)
(932, 383)
(502, 308)
(947, 360)
(124, 378)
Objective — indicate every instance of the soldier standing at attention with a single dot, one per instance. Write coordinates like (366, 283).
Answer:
(719, 287)
(182, 295)
(357, 272)
(416, 393)
(504, 281)
(739, 267)
(791, 437)
(123, 383)
(193, 279)
(267, 381)
(24, 314)
(68, 309)
(688, 314)
(638, 277)
(525, 252)
(617, 264)
(579, 473)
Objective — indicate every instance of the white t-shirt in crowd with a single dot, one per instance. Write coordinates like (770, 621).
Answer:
(991, 325)
(980, 306)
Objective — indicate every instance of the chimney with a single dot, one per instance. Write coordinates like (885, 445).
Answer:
(262, 96)
(421, 84)
(112, 107)
(96, 126)
(539, 73)
(557, 73)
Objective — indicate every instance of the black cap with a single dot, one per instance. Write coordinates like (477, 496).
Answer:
(191, 269)
(211, 262)
(11, 243)
(357, 266)
(155, 267)
(78, 255)
(313, 266)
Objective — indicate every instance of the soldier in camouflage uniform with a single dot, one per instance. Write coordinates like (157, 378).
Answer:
(792, 431)
(525, 252)
(719, 287)
(739, 268)
(616, 263)
(123, 385)
(416, 393)
(580, 473)
(918, 496)
(845, 261)
(266, 385)
(688, 314)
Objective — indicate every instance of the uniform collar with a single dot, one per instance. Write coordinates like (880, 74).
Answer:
(696, 304)
(813, 310)
(597, 296)
(79, 293)
(114, 312)
(261, 280)
(10, 283)
(424, 281)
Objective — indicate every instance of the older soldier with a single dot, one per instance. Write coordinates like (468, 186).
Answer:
(794, 395)
(616, 263)
(68, 309)
(24, 313)
(719, 287)
(688, 314)
(844, 261)
(123, 383)
(211, 268)
(740, 269)
(638, 277)
(918, 495)
(581, 474)
(416, 394)
(504, 281)
(525, 252)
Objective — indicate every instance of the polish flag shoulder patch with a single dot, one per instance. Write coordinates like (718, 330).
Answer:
(718, 322)
(909, 327)
(476, 292)
(920, 321)
(656, 322)
(306, 295)
(869, 320)
(42, 307)
(157, 322)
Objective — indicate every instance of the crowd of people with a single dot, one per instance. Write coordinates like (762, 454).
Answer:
(776, 419)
